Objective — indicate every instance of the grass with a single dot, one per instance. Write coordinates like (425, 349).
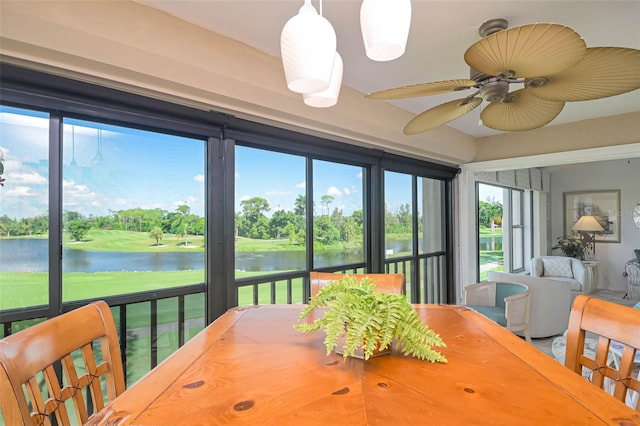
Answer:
(130, 241)
(486, 232)
(20, 289)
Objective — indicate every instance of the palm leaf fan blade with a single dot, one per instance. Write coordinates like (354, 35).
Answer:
(423, 89)
(522, 111)
(604, 72)
(441, 114)
(528, 51)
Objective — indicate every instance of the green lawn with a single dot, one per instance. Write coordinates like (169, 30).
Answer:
(31, 289)
(129, 241)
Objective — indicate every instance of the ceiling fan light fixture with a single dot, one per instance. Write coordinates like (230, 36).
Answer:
(308, 49)
(385, 28)
(329, 97)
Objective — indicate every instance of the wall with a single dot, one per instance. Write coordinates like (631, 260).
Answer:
(598, 132)
(621, 174)
(127, 45)
(133, 47)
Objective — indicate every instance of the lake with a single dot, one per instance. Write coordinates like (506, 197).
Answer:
(31, 255)
(491, 243)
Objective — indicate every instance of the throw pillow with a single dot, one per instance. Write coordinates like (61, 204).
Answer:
(559, 267)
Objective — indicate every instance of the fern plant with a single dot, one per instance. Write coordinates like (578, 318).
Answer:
(370, 320)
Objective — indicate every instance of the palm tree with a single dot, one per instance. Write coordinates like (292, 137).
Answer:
(325, 200)
(157, 234)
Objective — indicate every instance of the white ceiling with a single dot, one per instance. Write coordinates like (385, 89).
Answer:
(441, 31)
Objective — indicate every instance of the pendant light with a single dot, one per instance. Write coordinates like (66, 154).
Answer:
(385, 28)
(329, 97)
(308, 49)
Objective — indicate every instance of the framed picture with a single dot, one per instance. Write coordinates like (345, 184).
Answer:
(603, 205)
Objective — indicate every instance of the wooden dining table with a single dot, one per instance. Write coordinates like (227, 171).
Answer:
(251, 367)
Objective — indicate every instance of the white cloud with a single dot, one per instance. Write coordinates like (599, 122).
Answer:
(18, 191)
(333, 191)
(359, 175)
(245, 198)
(23, 120)
(31, 178)
(270, 193)
(75, 191)
(302, 184)
(189, 201)
(346, 191)
(199, 178)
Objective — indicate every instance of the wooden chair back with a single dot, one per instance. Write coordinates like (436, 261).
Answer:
(388, 283)
(610, 322)
(29, 360)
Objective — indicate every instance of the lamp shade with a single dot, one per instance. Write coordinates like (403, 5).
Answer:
(385, 28)
(308, 48)
(587, 224)
(329, 97)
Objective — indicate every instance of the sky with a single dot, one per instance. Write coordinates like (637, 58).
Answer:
(109, 168)
(490, 193)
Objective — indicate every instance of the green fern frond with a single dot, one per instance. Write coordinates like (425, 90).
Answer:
(369, 320)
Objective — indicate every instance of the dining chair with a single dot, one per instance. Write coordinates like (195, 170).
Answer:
(613, 325)
(32, 387)
(508, 304)
(388, 283)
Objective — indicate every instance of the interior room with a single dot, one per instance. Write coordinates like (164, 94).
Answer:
(165, 176)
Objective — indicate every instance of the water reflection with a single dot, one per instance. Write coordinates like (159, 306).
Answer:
(31, 255)
(491, 244)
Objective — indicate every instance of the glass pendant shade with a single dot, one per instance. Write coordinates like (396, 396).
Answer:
(385, 28)
(308, 48)
(329, 97)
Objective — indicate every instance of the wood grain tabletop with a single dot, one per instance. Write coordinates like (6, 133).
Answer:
(252, 367)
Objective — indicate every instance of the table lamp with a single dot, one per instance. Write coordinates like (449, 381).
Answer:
(587, 226)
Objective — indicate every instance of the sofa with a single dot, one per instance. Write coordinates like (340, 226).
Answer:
(550, 302)
(561, 268)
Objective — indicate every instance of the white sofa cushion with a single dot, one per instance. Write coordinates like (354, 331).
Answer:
(557, 267)
(575, 285)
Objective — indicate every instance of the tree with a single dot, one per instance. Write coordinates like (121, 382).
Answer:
(278, 222)
(325, 231)
(254, 207)
(325, 200)
(157, 234)
(300, 205)
(488, 211)
(255, 223)
(78, 228)
(404, 217)
(358, 218)
(185, 221)
(347, 229)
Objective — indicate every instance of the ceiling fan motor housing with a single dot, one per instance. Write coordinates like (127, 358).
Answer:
(495, 90)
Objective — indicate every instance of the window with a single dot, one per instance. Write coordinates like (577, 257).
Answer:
(133, 210)
(338, 237)
(415, 234)
(398, 214)
(173, 214)
(24, 208)
(503, 232)
(516, 222)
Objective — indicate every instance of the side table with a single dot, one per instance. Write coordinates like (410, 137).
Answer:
(591, 275)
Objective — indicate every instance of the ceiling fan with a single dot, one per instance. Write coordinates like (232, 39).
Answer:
(551, 60)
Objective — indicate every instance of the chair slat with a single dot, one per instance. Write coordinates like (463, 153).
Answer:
(611, 323)
(58, 340)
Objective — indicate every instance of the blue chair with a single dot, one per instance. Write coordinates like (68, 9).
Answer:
(507, 304)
